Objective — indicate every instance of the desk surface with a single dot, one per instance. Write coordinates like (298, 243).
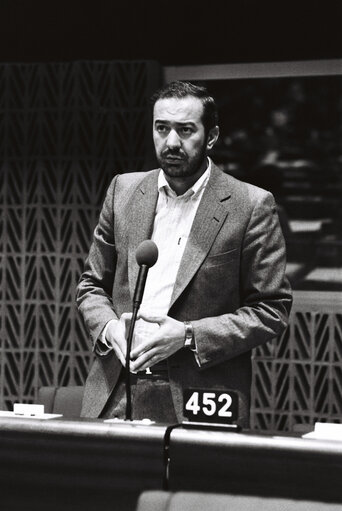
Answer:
(265, 465)
(50, 465)
(89, 464)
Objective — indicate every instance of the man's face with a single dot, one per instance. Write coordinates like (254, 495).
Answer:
(179, 136)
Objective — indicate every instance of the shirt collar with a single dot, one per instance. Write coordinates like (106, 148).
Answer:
(163, 185)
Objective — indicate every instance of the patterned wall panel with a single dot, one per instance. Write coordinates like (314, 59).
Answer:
(298, 379)
(65, 130)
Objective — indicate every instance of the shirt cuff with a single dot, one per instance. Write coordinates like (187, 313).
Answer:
(102, 346)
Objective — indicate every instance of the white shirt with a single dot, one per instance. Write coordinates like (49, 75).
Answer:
(173, 220)
(172, 225)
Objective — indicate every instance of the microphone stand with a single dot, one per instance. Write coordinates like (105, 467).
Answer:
(139, 290)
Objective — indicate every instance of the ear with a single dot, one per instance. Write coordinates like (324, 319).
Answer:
(212, 137)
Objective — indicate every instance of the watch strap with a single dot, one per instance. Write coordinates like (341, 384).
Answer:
(189, 341)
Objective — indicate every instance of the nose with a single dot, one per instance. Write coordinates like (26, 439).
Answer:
(173, 141)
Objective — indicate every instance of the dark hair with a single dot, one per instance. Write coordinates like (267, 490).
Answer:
(181, 89)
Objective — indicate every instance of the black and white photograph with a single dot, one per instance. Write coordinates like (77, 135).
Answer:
(170, 255)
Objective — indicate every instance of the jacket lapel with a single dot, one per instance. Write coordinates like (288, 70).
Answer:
(140, 221)
(211, 213)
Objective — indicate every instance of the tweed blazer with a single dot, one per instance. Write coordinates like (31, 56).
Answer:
(231, 283)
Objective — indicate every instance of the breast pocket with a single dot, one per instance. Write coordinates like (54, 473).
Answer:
(221, 259)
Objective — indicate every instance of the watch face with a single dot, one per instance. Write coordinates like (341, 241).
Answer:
(188, 342)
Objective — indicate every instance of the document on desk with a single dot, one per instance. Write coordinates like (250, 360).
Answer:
(29, 411)
(326, 431)
(43, 416)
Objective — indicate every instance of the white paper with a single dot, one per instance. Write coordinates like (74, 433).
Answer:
(42, 416)
(326, 431)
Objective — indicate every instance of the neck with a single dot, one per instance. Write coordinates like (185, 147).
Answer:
(182, 184)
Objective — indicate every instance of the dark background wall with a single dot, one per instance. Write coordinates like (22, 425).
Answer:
(171, 32)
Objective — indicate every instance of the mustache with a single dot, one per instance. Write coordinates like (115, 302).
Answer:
(174, 154)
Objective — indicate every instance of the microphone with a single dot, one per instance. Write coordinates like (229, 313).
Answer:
(146, 256)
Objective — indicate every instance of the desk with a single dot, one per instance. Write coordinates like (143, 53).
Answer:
(89, 465)
(250, 464)
(65, 465)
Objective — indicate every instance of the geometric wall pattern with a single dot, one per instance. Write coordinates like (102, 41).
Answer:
(298, 380)
(65, 130)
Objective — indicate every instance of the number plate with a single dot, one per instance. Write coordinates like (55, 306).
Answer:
(219, 406)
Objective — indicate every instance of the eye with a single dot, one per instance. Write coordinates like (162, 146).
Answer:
(161, 128)
(186, 130)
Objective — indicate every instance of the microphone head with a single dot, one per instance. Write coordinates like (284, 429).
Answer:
(147, 253)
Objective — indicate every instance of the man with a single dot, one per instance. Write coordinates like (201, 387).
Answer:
(217, 290)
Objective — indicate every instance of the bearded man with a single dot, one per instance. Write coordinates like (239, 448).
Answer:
(217, 290)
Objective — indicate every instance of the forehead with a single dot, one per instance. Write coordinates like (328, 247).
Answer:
(188, 109)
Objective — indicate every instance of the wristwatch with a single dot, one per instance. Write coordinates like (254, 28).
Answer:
(189, 341)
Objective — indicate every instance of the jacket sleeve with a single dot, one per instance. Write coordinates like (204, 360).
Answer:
(266, 297)
(94, 289)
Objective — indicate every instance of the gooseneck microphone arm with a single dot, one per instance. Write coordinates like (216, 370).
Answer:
(139, 290)
(146, 256)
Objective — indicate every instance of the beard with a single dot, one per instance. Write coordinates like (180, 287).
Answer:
(179, 164)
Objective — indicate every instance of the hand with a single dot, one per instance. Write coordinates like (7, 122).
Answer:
(116, 335)
(168, 339)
